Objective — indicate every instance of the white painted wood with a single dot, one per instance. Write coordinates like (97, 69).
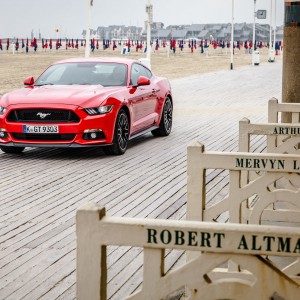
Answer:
(196, 192)
(267, 187)
(281, 138)
(285, 136)
(258, 186)
(91, 258)
(218, 242)
(275, 109)
(286, 140)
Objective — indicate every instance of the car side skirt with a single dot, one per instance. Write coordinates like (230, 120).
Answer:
(135, 135)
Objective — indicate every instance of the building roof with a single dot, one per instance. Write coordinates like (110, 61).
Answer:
(239, 26)
(163, 33)
(196, 27)
(179, 34)
(203, 34)
(221, 34)
(227, 30)
(202, 31)
(216, 27)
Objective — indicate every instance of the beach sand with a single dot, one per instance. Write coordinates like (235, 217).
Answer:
(16, 67)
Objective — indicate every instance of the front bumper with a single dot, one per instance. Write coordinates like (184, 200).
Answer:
(54, 145)
(70, 134)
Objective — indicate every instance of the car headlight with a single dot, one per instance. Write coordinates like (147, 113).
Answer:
(2, 110)
(101, 110)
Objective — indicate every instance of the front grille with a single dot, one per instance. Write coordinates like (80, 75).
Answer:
(43, 137)
(43, 115)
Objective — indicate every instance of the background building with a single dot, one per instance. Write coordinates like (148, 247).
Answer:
(242, 32)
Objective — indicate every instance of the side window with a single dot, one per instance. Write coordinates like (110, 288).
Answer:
(135, 73)
(149, 73)
(138, 70)
(145, 72)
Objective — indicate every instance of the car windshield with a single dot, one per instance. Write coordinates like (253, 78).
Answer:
(87, 73)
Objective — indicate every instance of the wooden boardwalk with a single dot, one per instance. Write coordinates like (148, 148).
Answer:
(41, 189)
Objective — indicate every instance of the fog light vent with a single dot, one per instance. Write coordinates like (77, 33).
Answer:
(3, 134)
(93, 134)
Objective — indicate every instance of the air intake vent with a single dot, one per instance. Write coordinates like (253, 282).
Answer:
(43, 137)
(43, 115)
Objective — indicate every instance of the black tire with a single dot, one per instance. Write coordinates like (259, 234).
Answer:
(165, 125)
(14, 150)
(121, 135)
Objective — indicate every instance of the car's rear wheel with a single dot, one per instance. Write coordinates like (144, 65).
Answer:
(9, 149)
(121, 135)
(165, 125)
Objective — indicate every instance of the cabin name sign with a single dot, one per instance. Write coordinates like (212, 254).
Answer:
(288, 130)
(270, 164)
(258, 162)
(225, 241)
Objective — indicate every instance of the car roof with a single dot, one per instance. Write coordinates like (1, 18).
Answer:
(98, 59)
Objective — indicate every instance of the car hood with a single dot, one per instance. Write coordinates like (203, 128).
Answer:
(81, 95)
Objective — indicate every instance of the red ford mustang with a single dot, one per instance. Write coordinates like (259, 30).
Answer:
(86, 102)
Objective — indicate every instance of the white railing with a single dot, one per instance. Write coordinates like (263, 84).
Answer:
(275, 111)
(235, 206)
(229, 260)
(244, 244)
(272, 167)
(280, 137)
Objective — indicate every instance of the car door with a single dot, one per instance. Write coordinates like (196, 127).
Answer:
(144, 100)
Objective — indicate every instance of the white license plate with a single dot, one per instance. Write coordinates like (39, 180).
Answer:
(40, 129)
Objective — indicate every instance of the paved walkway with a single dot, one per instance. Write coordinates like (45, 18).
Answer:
(41, 189)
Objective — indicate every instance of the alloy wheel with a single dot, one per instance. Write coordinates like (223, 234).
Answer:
(123, 131)
(168, 114)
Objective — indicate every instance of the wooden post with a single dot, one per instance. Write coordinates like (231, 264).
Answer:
(244, 140)
(195, 182)
(291, 56)
(91, 256)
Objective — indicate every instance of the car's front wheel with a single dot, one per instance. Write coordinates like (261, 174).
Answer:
(9, 149)
(121, 135)
(165, 125)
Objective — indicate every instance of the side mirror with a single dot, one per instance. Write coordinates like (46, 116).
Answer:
(29, 81)
(142, 80)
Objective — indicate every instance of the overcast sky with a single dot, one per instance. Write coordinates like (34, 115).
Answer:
(19, 17)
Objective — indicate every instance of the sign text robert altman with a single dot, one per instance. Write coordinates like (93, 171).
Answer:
(226, 241)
